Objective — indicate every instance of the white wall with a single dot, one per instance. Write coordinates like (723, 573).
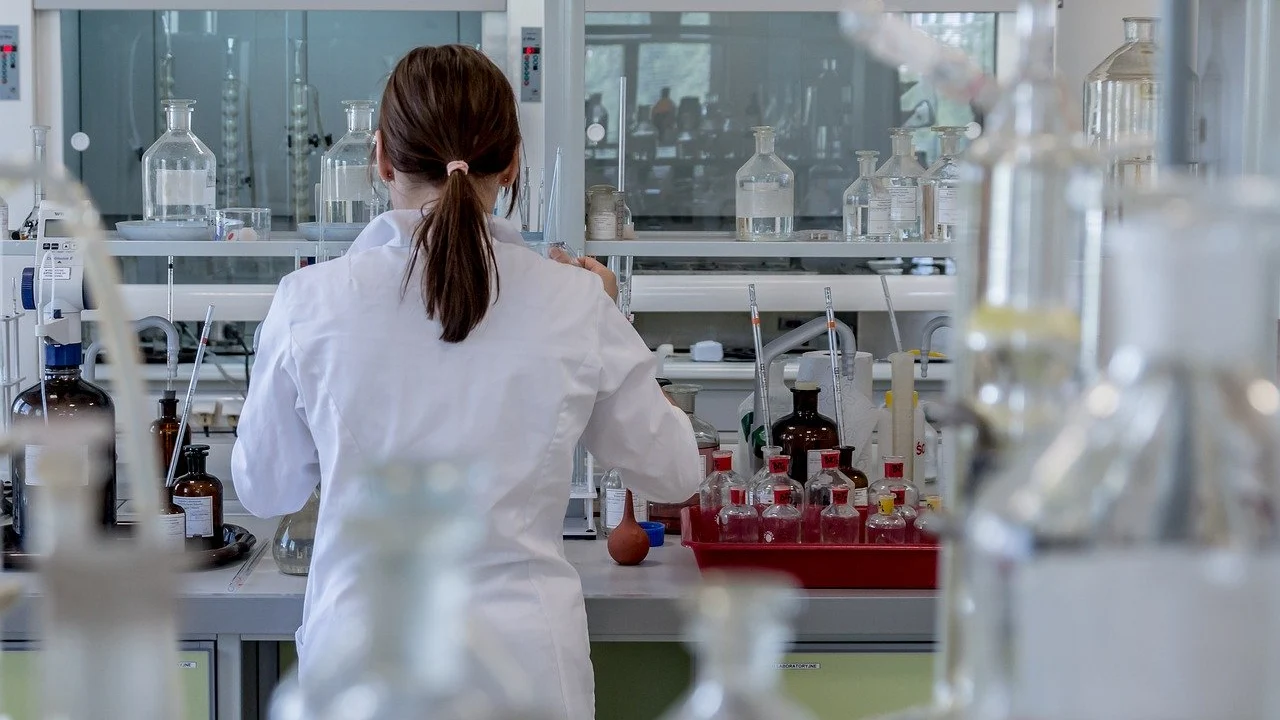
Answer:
(1088, 30)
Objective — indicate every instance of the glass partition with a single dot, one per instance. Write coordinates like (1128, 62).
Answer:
(698, 82)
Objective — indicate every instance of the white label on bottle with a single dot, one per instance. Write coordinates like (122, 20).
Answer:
(175, 530)
(350, 183)
(1169, 634)
(36, 457)
(878, 216)
(904, 204)
(765, 200)
(946, 205)
(183, 187)
(640, 507)
(199, 512)
(814, 465)
(615, 505)
(604, 226)
(860, 497)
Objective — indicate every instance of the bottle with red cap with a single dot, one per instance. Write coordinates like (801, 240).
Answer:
(886, 527)
(738, 521)
(714, 490)
(818, 491)
(859, 496)
(839, 522)
(762, 492)
(906, 498)
(780, 522)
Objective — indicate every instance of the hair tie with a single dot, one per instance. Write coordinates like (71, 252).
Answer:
(457, 165)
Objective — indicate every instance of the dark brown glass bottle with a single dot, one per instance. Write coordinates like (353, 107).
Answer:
(165, 432)
(199, 494)
(66, 395)
(858, 496)
(804, 429)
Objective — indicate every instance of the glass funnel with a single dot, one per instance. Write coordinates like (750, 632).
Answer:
(296, 538)
(1154, 506)
(739, 627)
(179, 172)
(866, 203)
(941, 191)
(765, 193)
(346, 173)
(901, 175)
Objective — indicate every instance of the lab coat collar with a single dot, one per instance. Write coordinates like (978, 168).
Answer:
(394, 228)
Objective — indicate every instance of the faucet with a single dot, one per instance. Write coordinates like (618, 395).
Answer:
(794, 339)
(151, 322)
(926, 343)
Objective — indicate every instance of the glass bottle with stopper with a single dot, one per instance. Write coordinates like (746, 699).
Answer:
(886, 527)
(738, 521)
(839, 523)
(765, 195)
(901, 175)
(820, 492)
(866, 203)
(713, 493)
(199, 494)
(762, 492)
(346, 177)
(179, 172)
(941, 192)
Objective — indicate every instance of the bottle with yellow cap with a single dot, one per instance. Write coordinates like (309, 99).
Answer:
(804, 429)
(886, 527)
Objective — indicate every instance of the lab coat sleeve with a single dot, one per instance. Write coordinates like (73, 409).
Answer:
(633, 427)
(274, 464)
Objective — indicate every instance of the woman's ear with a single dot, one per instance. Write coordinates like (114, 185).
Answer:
(512, 173)
(385, 171)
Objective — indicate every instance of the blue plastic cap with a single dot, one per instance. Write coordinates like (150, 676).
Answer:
(29, 288)
(63, 355)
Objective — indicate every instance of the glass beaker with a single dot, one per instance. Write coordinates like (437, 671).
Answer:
(901, 174)
(346, 172)
(941, 188)
(296, 538)
(765, 196)
(179, 173)
(242, 224)
(1155, 504)
(708, 440)
(739, 627)
(866, 203)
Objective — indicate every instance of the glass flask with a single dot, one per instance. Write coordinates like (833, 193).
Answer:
(886, 527)
(857, 480)
(1154, 504)
(762, 495)
(295, 538)
(199, 494)
(765, 195)
(739, 629)
(179, 173)
(780, 522)
(901, 175)
(819, 491)
(866, 203)
(714, 490)
(62, 393)
(346, 171)
(839, 523)
(708, 440)
(804, 429)
(165, 431)
(1122, 106)
(411, 651)
(738, 521)
(941, 188)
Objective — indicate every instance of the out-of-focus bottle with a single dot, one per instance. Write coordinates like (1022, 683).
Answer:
(708, 440)
(63, 393)
(295, 538)
(165, 431)
(929, 522)
(780, 522)
(765, 196)
(839, 523)
(762, 492)
(941, 194)
(886, 527)
(738, 628)
(199, 494)
(738, 521)
(866, 203)
(763, 473)
(179, 172)
(901, 175)
(714, 490)
(1122, 105)
(819, 491)
(894, 482)
(346, 176)
(804, 429)
(907, 511)
(859, 494)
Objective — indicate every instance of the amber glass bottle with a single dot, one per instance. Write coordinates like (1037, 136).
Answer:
(804, 429)
(66, 395)
(165, 432)
(199, 494)
(858, 498)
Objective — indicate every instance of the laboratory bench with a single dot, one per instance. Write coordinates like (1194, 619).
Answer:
(241, 616)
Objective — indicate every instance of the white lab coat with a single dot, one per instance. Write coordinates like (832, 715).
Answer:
(350, 371)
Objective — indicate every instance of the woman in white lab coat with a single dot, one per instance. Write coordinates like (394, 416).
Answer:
(441, 336)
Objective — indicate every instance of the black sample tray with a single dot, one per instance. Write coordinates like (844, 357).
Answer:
(238, 543)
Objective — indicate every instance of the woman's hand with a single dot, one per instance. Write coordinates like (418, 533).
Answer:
(591, 265)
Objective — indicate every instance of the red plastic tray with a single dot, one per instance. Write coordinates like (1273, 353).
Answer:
(864, 567)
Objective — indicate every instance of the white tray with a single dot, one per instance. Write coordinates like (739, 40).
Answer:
(159, 231)
(333, 232)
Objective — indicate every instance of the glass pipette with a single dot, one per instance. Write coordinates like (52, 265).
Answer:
(762, 386)
(191, 391)
(836, 393)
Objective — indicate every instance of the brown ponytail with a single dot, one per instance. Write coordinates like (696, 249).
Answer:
(451, 107)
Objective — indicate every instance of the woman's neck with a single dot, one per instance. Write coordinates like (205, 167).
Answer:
(416, 196)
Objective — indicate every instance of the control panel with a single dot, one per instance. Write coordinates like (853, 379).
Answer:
(9, 62)
(531, 64)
